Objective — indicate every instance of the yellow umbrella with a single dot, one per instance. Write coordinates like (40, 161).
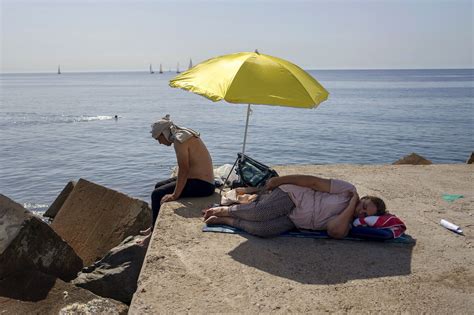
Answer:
(252, 78)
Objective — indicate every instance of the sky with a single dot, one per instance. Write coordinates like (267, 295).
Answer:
(106, 35)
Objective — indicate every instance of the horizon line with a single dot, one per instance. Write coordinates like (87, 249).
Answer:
(174, 70)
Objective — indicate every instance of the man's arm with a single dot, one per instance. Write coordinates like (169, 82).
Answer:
(313, 182)
(339, 226)
(182, 156)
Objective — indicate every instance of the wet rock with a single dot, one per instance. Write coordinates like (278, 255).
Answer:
(33, 292)
(59, 201)
(470, 160)
(115, 276)
(94, 219)
(413, 159)
(26, 242)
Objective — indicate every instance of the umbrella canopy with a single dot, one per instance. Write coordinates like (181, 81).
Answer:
(252, 78)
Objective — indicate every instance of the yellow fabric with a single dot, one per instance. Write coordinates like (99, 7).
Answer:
(252, 78)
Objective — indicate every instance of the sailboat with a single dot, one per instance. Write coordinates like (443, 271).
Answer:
(59, 69)
(190, 63)
(177, 68)
(151, 69)
(161, 68)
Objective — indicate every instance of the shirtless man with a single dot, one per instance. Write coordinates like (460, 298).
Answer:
(195, 173)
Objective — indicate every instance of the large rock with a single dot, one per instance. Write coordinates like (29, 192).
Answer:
(94, 219)
(26, 242)
(59, 201)
(115, 276)
(413, 159)
(33, 292)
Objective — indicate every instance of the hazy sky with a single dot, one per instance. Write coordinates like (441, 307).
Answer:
(102, 35)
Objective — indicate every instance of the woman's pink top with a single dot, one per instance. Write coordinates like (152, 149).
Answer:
(313, 209)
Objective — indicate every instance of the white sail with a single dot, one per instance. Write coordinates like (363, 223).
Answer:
(151, 69)
(161, 68)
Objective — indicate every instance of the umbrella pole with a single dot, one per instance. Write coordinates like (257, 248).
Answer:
(245, 135)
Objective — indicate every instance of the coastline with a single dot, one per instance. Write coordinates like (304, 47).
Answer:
(186, 270)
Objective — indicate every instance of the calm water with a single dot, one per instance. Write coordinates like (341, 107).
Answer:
(57, 128)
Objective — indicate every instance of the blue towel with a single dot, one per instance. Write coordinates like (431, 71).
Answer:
(356, 234)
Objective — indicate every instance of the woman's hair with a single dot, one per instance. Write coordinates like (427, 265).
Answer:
(379, 203)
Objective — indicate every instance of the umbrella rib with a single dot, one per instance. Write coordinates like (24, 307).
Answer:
(233, 78)
(304, 88)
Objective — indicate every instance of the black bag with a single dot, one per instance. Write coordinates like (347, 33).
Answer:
(251, 172)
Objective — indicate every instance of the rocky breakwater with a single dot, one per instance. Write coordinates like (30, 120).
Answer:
(29, 243)
(116, 274)
(93, 219)
(38, 261)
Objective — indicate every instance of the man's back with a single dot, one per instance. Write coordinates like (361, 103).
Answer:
(200, 162)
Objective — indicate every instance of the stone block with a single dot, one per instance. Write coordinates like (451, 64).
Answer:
(59, 201)
(413, 159)
(26, 242)
(33, 292)
(94, 219)
(115, 276)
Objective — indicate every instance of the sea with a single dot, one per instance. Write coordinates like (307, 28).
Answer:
(57, 128)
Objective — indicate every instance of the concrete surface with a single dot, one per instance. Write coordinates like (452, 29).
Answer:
(188, 271)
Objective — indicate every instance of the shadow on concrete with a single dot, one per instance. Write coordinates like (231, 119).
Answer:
(192, 207)
(316, 261)
(27, 286)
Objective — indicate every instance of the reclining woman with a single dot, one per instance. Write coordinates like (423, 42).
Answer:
(299, 201)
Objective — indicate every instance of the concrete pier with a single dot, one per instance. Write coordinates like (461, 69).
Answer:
(189, 271)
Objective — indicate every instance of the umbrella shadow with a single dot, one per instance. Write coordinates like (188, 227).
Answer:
(191, 207)
(316, 261)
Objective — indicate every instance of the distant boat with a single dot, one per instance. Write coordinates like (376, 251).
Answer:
(190, 63)
(161, 68)
(177, 68)
(151, 69)
(59, 69)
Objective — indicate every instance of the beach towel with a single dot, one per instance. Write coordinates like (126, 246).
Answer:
(386, 222)
(356, 234)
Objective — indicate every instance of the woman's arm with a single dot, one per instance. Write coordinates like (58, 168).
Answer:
(339, 226)
(313, 182)
(247, 190)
